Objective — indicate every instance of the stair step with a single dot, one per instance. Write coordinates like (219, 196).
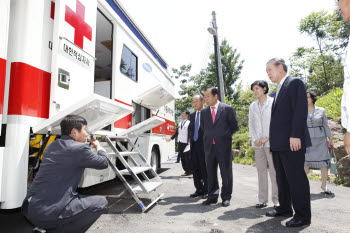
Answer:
(136, 170)
(112, 153)
(128, 153)
(113, 138)
(149, 186)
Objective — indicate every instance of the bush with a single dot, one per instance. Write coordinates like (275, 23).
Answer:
(242, 142)
(331, 102)
(342, 182)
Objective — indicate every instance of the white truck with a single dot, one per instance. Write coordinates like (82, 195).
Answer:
(86, 57)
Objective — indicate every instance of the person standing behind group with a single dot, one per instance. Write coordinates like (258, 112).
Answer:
(195, 134)
(259, 127)
(183, 140)
(317, 155)
(344, 10)
(289, 138)
(218, 122)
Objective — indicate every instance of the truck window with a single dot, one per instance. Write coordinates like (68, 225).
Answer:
(128, 64)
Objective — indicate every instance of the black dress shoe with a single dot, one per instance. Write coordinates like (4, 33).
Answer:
(295, 222)
(274, 213)
(205, 196)
(196, 194)
(210, 201)
(259, 206)
(225, 203)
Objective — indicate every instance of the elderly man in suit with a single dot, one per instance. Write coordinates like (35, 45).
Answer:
(195, 135)
(289, 138)
(218, 122)
(52, 202)
(344, 10)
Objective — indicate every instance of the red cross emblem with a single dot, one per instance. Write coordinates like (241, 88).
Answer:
(77, 20)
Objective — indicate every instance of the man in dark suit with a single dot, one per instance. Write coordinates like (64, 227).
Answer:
(218, 122)
(195, 134)
(289, 138)
(52, 202)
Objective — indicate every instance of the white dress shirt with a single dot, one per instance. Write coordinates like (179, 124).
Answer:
(259, 121)
(345, 102)
(283, 79)
(216, 108)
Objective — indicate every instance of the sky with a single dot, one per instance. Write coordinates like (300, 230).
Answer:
(259, 29)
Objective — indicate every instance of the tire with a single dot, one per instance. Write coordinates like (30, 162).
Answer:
(154, 160)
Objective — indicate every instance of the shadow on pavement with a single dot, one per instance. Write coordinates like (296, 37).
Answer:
(12, 221)
(273, 225)
(247, 213)
(185, 204)
(175, 177)
(322, 195)
(179, 199)
(124, 206)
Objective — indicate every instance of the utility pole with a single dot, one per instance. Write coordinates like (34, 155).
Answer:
(219, 76)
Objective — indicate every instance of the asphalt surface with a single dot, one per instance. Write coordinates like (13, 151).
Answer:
(177, 212)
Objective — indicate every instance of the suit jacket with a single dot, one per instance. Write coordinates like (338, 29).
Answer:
(221, 130)
(53, 194)
(288, 116)
(191, 129)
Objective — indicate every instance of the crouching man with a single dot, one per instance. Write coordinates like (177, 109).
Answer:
(52, 202)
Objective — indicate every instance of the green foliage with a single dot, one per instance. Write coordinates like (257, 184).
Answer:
(320, 67)
(185, 102)
(196, 84)
(336, 180)
(320, 72)
(241, 106)
(331, 102)
(231, 69)
(342, 182)
(242, 142)
(312, 176)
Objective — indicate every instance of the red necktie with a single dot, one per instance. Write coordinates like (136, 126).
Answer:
(213, 117)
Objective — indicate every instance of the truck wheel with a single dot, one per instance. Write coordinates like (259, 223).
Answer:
(154, 160)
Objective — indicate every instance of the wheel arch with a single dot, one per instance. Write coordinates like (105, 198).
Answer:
(156, 149)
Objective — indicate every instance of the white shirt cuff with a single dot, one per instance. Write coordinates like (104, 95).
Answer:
(100, 148)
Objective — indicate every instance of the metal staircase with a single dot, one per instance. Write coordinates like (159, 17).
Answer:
(135, 164)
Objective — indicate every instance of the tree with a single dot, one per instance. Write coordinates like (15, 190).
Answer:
(183, 73)
(196, 84)
(241, 106)
(320, 67)
(231, 68)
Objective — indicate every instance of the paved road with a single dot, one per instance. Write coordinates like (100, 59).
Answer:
(177, 212)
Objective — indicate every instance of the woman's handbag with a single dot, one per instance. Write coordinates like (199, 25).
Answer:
(333, 160)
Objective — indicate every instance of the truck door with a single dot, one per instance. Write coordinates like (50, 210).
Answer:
(73, 53)
(103, 53)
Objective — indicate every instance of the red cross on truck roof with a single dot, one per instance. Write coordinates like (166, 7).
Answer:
(77, 20)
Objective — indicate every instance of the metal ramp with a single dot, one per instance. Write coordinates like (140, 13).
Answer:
(135, 164)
